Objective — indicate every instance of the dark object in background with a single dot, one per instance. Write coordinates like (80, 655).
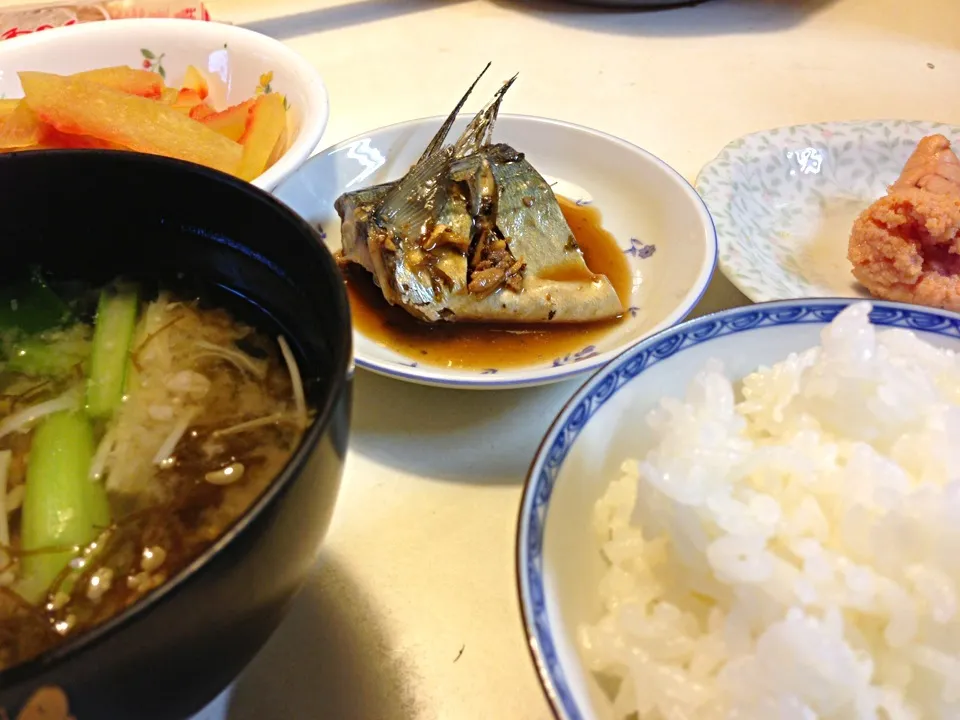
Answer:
(638, 4)
(92, 215)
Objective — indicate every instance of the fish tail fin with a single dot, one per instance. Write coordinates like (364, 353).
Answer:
(495, 108)
(437, 141)
(480, 130)
(409, 205)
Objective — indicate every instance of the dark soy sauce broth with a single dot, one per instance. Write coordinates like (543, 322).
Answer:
(478, 346)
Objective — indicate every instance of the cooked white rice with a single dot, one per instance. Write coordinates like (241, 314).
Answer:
(795, 554)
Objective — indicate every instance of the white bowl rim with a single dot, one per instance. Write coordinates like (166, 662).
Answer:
(314, 116)
(543, 376)
(538, 485)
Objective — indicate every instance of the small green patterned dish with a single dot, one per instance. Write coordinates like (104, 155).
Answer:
(784, 201)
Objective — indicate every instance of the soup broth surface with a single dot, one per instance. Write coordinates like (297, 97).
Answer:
(206, 418)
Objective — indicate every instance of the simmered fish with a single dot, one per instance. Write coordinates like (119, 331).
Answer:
(473, 233)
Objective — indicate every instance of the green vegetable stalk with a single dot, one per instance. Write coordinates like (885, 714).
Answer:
(62, 508)
(112, 334)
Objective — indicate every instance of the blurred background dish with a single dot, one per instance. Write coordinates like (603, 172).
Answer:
(639, 4)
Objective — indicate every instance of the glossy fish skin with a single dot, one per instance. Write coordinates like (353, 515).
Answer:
(530, 216)
(473, 233)
(356, 210)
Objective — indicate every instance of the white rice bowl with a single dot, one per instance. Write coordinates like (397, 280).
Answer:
(777, 539)
(795, 554)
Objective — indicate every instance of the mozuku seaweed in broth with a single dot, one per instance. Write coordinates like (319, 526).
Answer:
(136, 426)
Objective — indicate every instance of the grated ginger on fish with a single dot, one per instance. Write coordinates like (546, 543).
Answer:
(906, 246)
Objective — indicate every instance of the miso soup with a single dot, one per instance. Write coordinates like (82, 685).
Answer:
(137, 424)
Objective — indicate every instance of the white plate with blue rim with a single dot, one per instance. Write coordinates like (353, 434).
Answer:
(659, 222)
(784, 201)
(559, 562)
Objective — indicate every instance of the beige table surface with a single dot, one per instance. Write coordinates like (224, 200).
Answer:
(419, 565)
(412, 612)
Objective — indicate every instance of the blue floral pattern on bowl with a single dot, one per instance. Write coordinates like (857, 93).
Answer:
(584, 354)
(639, 249)
(597, 392)
(783, 201)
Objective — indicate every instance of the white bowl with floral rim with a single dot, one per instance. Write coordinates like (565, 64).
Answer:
(659, 222)
(240, 63)
(784, 201)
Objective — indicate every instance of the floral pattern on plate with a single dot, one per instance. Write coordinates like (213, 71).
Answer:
(152, 61)
(584, 354)
(784, 200)
(639, 249)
